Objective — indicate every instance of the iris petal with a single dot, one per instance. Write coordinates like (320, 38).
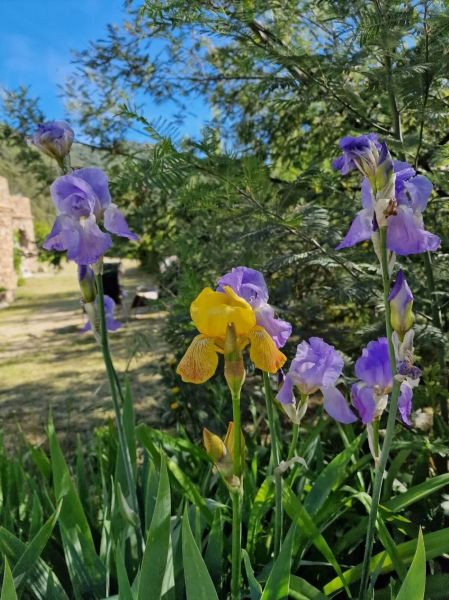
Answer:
(263, 351)
(200, 361)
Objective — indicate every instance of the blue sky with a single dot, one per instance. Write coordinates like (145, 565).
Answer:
(36, 39)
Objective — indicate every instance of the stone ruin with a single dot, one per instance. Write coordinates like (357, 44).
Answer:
(16, 234)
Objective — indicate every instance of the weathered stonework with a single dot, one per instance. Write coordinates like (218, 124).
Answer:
(16, 228)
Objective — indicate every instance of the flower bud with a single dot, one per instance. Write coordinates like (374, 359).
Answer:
(86, 279)
(54, 138)
(215, 447)
(234, 370)
(401, 304)
(383, 181)
(220, 455)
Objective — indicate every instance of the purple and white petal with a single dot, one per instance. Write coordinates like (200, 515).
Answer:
(278, 329)
(405, 403)
(285, 394)
(92, 243)
(116, 223)
(336, 406)
(373, 367)
(405, 235)
(363, 400)
(316, 364)
(65, 234)
(360, 230)
(73, 196)
(247, 283)
(98, 182)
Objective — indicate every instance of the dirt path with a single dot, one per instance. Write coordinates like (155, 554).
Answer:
(45, 361)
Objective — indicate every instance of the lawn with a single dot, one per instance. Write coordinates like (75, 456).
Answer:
(46, 362)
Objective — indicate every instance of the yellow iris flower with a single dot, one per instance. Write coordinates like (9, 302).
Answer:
(212, 313)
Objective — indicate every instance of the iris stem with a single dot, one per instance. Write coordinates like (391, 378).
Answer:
(275, 459)
(236, 497)
(381, 466)
(294, 441)
(114, 385)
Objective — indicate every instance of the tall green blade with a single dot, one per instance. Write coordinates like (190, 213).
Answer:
(8, 590)
(414, 584)
(278, 584)
(198, 582)
(158, 541)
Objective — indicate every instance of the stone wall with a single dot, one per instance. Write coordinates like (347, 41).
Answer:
(16, 227)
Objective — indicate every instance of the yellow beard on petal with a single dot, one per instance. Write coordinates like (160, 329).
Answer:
(200, 361)
(212, 312)
(263, 351)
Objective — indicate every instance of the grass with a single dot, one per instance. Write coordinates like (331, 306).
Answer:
(45, 361)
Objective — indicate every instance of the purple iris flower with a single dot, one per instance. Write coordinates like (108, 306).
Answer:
(361, 152)
(82, 199)
(250, 285)
(111, 323)
(316, 366)
(370, 395)
(405, 230)
(54, 138)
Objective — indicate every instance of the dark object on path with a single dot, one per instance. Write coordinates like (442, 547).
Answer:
(111, 284)
(144, 296)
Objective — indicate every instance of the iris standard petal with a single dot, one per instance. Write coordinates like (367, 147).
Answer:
(316, 364)
(361, 229)
(336, 406)
(263, 351)
(98, 181)
(200, 361)
(405, 235)
(73, 196)
(373, 367)
(247, 283)
(212, 312)
(116, 223)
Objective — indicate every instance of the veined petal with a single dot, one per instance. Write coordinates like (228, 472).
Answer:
(263, 351)
(200, 361)
(336, 406)
(212, 312)
(361, 229)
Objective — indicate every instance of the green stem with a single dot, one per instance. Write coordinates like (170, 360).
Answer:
(236, 503)
(113, 382)
(381, 466)
(275, 459)
(294, 441)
